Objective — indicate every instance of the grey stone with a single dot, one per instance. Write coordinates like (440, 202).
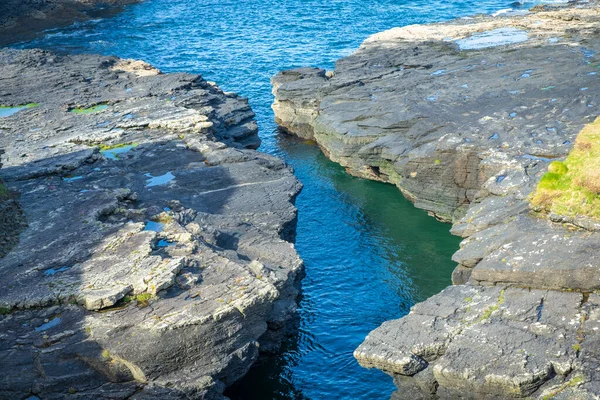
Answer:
(154, 270)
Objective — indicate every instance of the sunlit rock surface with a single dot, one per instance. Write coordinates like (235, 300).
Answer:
(157, 260)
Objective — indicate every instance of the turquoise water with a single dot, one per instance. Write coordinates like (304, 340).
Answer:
(369, 254)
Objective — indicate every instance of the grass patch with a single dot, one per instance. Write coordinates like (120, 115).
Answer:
(572, 187)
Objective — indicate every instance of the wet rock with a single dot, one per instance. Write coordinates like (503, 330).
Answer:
(157, 261)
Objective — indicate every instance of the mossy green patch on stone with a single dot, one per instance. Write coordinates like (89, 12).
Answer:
(89, 110)
(142, 299)
(5, 311)
(572, 187)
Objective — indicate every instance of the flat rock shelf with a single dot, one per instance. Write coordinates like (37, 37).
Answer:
(155, 257)
(464, 118)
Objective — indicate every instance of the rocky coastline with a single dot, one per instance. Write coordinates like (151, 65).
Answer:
(465, 117)
(23, 20)
(147, 248)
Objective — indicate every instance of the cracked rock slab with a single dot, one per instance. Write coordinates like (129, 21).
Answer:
(484, 342)
(157, 260)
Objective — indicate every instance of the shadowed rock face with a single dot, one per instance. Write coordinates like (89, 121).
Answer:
(157, 260)
(23, 20)
(464, 117)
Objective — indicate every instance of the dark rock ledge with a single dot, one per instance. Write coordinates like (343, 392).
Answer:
(464, 117)
(155, 255)
(24, 19)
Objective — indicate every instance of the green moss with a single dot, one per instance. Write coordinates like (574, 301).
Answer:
(89, 110)
(468, 299)
(576, 347)
(142, 299)
(572, 187)
(558, 167)
(437, 162)
(4, 310)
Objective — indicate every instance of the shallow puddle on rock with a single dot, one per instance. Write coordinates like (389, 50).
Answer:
(159, 180)
(154, 226)
(536, 158)
(164, 243)
(52, 271)
(50, 324)
(7, 111)
(72, 178)
(496, 37)
(89, 110)
(113, 152)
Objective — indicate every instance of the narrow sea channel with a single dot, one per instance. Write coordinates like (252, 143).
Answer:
(369, 254)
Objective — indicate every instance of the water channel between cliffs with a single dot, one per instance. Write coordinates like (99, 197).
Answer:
(369, 254)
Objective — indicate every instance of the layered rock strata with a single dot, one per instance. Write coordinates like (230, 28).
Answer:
(157, 258)
(464, 117)
(23, 20)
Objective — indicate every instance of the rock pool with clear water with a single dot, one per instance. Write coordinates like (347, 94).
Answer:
(369, 254)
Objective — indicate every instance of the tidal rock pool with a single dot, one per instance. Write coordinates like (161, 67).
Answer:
(369, 254)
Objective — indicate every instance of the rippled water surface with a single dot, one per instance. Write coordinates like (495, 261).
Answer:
(369, 254)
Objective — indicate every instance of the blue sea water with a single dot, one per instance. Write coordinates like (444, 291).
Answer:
(369, 254)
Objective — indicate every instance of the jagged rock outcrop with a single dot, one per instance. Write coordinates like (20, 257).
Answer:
(157, 260)
(464, 117)
(22, 20)
(424, 108)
